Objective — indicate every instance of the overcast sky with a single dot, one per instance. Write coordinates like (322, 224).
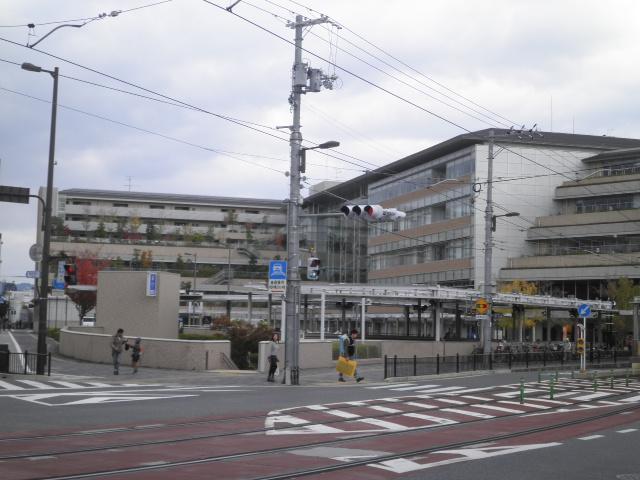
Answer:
(565, 65)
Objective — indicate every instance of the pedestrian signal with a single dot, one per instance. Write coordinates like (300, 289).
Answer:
(580, 345)
(70, 277)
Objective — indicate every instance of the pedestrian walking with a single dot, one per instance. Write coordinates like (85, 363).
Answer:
(566, 347)
(347, 349)
(136, 351)
(117, 344)
(273, 357)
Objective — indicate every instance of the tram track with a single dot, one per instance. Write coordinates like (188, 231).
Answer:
(382, 402)
(330, 442)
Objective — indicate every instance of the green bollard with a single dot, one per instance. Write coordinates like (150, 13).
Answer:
(556, 374)
(551, 392)
(539, 377)
(595, 382)
(573, 374)
(626, 379)
(521, 391)
(612, 387)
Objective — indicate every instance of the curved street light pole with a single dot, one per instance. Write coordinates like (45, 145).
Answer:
(46, 240)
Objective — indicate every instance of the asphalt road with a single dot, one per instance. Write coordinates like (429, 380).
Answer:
(216, 422)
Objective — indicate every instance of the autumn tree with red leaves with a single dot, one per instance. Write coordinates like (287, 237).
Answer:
(87, 268)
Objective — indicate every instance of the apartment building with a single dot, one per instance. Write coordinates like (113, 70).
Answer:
(207, 235)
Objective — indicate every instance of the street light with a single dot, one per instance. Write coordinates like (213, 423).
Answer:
(322, 146)
(493, 218)
(298, 164)
(44, 265)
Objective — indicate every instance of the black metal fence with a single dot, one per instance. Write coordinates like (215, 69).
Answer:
(415, 366)
(24, 363)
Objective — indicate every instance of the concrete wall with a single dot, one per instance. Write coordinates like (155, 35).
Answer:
(317, 353)
(313, 354)
(123, 303)
(157, 352)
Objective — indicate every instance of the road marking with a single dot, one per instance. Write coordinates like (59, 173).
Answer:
(66, 384)
(628, 430)
(384, 409)
(591, 396)
(473, 397)
(436, 420)
(391, 386)
(439, 390)
(497, 409)
(421, 405)
(516, 393)
(415, 387)
(631, 399)
(532, 405)
(554, 402)
(38, 385)
(451, 401)
(468, 413)
(98, 384)
(10, 386)
(316, 407)
(342, 414)
(383, 424)
(590, 437)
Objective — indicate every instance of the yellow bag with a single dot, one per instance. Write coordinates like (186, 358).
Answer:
(346, 367)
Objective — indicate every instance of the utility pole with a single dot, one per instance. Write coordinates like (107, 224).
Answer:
(488, 250)
(304, 80)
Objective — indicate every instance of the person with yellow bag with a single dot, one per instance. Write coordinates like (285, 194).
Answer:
(347, 364)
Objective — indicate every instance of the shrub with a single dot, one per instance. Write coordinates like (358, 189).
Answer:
(54, 333)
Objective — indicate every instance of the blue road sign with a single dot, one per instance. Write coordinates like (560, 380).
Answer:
(584, 310)
(152, 284)
(277, 270)
(57, 284)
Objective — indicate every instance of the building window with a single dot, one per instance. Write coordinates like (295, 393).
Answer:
(182, 208)
(120, 204)
(604, 204)
(81, 202)
(252, 211)
(180, 224)
(156, 207)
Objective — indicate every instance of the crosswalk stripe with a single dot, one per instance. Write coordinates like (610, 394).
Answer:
(497, 409)
(591, 396)
(384, 409)
(631, 399)
(342, 414)
(33, 383)
(431, 418)
(316, 407)
(438, 390)
(473, 397)
(526, 404)
(468, 413)
(421, 405)
(66, 384)
(10, 386)
(590, 437)
(555, 402)
(414, 387)
(98, 384)
(393, 385)
(383, 424)
(453, 402)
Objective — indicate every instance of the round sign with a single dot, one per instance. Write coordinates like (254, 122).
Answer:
(35, 253)
(482, 306)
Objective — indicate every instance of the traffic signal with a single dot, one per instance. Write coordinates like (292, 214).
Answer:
(372, 213)
(313, 268)
(70, 277)
(580, 345)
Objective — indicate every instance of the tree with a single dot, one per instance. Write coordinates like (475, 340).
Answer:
(146, 259)
(180, 264)
(210, 235)
(244, 339)
(248, 228)
(101, 231)
(121, 223)
(622, 292)
(151, 232)
(57, 226)
(519, 286)
(87, 268)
